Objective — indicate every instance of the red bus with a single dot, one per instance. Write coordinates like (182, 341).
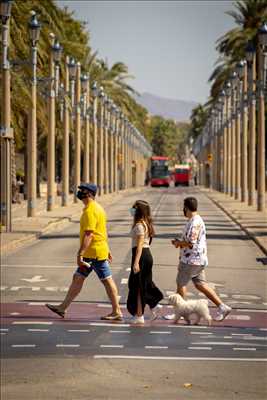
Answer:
(182, 174)
(160, 175)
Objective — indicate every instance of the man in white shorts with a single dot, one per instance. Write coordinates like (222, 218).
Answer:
(193, 258)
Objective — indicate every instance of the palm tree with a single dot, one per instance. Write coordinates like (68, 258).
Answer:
(248, 15)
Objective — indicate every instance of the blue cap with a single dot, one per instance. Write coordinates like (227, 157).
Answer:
(91, 187)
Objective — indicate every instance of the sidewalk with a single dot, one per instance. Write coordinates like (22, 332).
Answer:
(253, 222)
(26, 229)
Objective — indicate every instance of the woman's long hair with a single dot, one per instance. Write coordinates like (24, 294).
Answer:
(143, 213)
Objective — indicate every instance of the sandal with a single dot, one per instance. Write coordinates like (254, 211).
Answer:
(112, 317)
(55, 310)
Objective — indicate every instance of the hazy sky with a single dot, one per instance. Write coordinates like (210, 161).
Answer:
(169, 46)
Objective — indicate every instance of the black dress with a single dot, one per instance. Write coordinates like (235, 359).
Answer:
(142, 281)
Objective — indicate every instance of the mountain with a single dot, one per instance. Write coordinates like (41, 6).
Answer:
(178, 110)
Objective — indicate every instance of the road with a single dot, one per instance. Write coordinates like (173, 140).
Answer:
(81, 357)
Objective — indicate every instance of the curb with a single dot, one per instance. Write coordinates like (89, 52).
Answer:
(15, 244)
(243, 228)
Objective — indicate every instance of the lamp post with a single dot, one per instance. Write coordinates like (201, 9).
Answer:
(77, 133)
(242, 73)
(94, 94)
(86, 159)
(116, 142)
(112, 143)
(55, 55)
(6, 132)
(106, 155)
(233, 78)
(251, 63)
(66, 138)
(228, 90)
(101, 96)
(262, 54)
(224, 144)
(238, 138)
(34, 27)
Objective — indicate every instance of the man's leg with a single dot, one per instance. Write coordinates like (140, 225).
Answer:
(181, 290)
(208, 292)
(74, 290)
(112, 293)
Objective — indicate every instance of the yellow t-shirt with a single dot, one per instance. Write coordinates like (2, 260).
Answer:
(93, 219)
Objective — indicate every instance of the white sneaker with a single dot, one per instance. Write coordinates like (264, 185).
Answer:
(169, 316)
(223, 311)
(137, 320)
(155, 312)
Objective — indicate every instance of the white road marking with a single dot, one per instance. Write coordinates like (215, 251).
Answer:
(201, 333)
(199, 348)
(42, 304)
(187, 327)
(128, 269)
(67, 345)
(4, 329)
(244, 348)
(32, 323)
(99, 356)
(23, 345)
(233, 302)
(119, 331)
(102, 305)
(227, 337)
(78, 330)
(241, 334)
(239, 317)
(156, 347)
(2, 288)
(253, 311)
(14, 313)
(161, 332)
(229, 344)
(108, 324)
(263, 329)
(255, 338)
(118, 346)
(246, 297)
(34, 279)
(124, 281)
(37, 330)
(3, 333)
(36, 266)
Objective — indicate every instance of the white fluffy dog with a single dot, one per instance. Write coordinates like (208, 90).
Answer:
(185, 309)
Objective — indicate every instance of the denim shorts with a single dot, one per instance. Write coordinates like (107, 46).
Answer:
(101, 268)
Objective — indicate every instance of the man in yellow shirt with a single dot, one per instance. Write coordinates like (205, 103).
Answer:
(93, 254)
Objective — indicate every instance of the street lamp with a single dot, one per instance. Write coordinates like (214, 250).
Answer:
(101, 96)
(72, 74)
(228, 91)
(5, 10)
(262, 54)
(34, 30)
(251, 63)
(241, 68)
(86, 125)
(94, 95)
(55, 56)
(5, 130)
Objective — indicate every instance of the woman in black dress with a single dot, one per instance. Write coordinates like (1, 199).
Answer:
(142, 289)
